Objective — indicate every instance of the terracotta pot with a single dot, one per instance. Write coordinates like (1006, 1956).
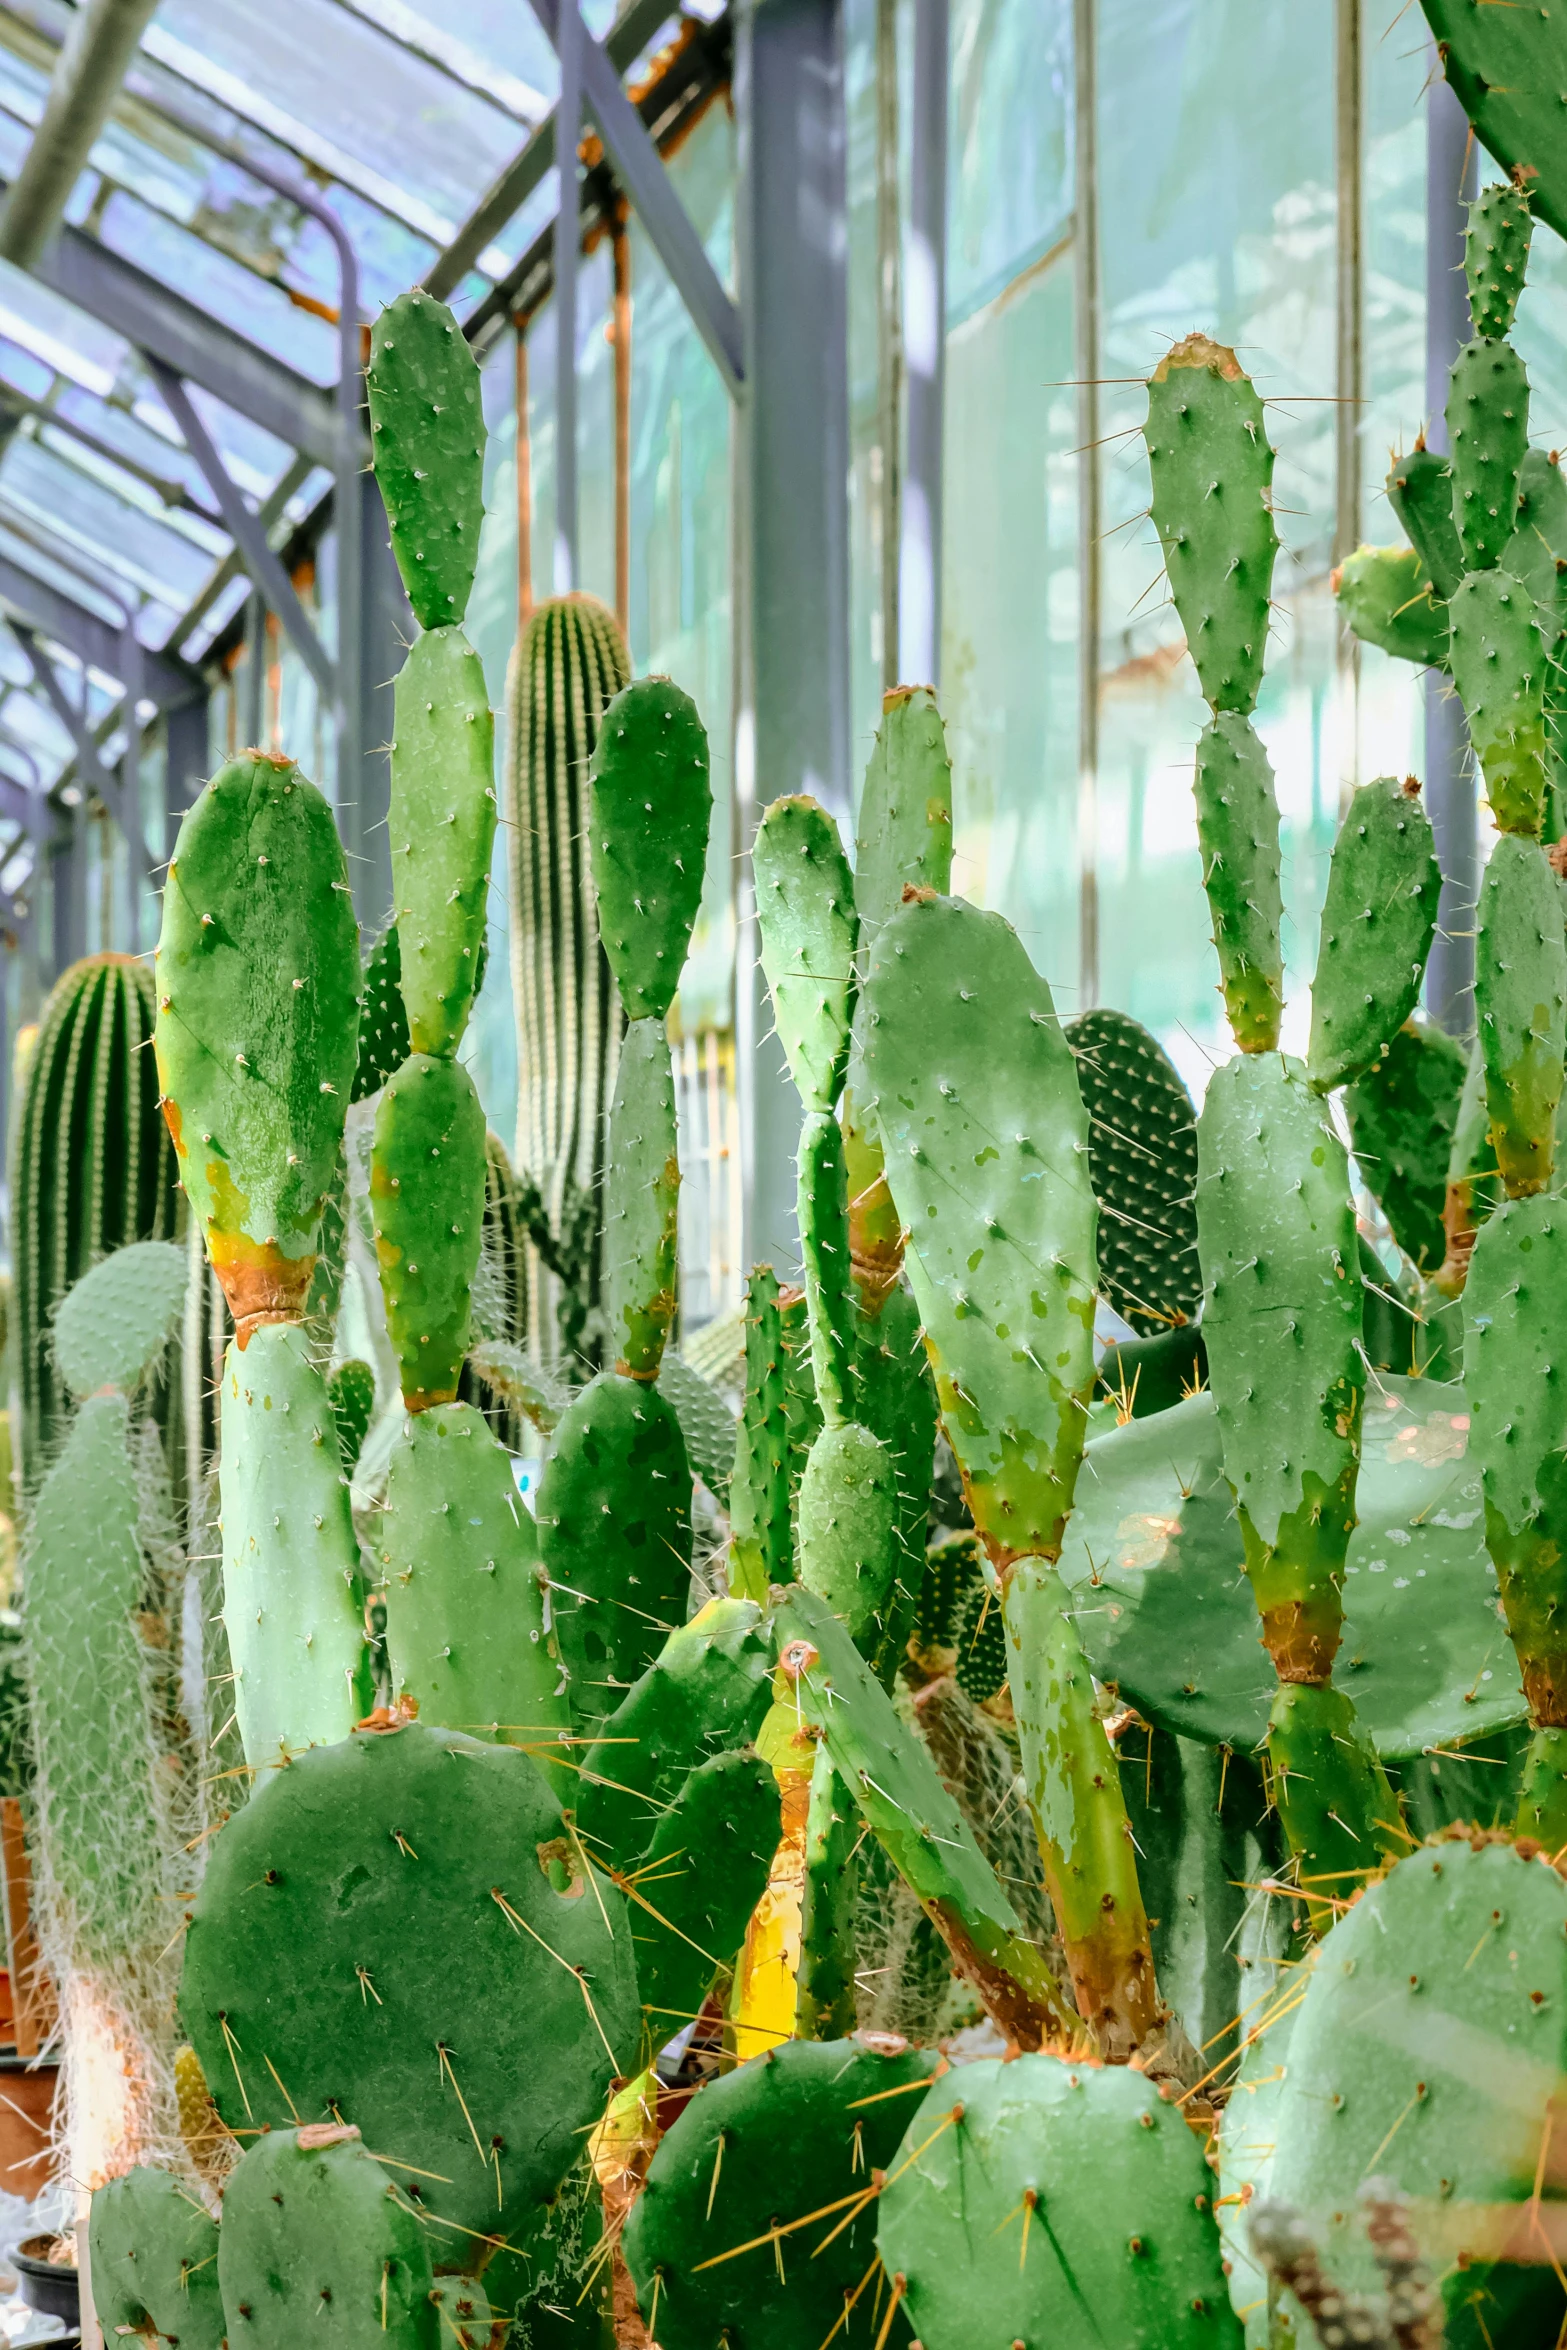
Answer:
(26, 2107)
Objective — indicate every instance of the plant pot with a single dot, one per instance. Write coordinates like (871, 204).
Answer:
(26, 2124)
(48, 2286)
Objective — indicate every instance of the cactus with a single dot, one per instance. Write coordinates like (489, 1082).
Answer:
(1496, 255)
(442, 821)
(1378, 921)
(806, 913)
(1238, 832)
(384, 1043)
(427, 1179)
(427, 438)
(652, 805)
(1498, 662)
(704, 1871)
(641, 1203)
(1420, 492)
(154, 2248)
(762, 1550)
(312, 2223)
(847, 1526)
(1401, 1114)
(1521, 1007)
(351, 1393)
(1473, 1187)
(1142, 1161)
(1386, 595)
(825, 1991)
(981, 1645)
(1488, 432)
(112, 1327)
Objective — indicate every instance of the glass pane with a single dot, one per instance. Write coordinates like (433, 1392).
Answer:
(147, 556)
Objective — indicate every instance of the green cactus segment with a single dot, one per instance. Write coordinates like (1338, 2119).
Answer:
(442, 824)
(258, 1018)
(848, 1524)
(1498, 663)
(1496, 257)
(291, 1601)
(1238, 834)
(465, 1629)
(1401, 1113)
(762, 1546)
(1073, 1786)
(154, 2251)
(642, 1202)
(1420, 492)
(1142, 1157)
(707, 1422)
(705, 1692)
(702, 1875)
(1340, 1817)
(114, 1324)
(1540, 540)
(986, 1137)
(804, 2129)
(1488, 431)
(898, 1404)
(652, 809)
(805, 911)
(614, 1520)
(91, 1168)
(1542, 1797)
(1378, 921)
(830, 1304)
(1276, 1229)
(1521, 1010)
(894, 1783)
(903, 834)
(1459, 1947)
(981, 1644)
(825, 1994)
(1386, 596)
(351, 1391)
(384, 1043)
(1212, 473)
(313, 2224)
(386, 1865)
(953, 1575)
(427, 1177)
(996, 2213)
(427, 446)
(1473, 1188)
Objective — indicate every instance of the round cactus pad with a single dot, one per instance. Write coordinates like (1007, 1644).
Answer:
(155, 2261)
(112, 1327)
(1153, 1555)
(321, 1972)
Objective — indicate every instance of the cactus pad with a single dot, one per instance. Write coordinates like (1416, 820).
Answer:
(805, 910)
(1521, 1010)
(762, 1551)
(442, 825)
(427, 443)
(154, 2251)
(641, 1202)
(1488, 429)
(1238, 834)
(1378, 921)
(848, 1502)
(702, 1875)
(1386, 596)
(383, 1019)
(1142, 1157)
(427, 1184)
(1401, 1117)
(396, 1930)
(1504, 67)
(1498, 662)
(903, 832)
(1496, 257)
(1338, 1814)
(707, 1422)
(1420, 492)
(114, 1324)
(651, 811)
(312, 2227)
(258, 1013)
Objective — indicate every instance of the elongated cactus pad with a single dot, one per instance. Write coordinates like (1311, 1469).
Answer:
(1142, 1157)
(642, 1202)
(822, 1192)
(825, 1991)
(453, 2036)
(1212, 472)
(1496, 257)
(427, 1179)
(1499, 665)
(986, 1139)
(1488, 431)
(291, 1600)
(1378, 921)
(155, 2261)
(995, 2148)
(1501, 65)
(897, 1403)
(1401, 1116)
(1238, 833)
(805, 910)
(114, 1324)
(442, 822)
(1521, 1010)
(1420, 492)
(427, 442)
(1386, 596)
(903, 832)
(651, 811)
(848, 1506)
(258, 1016)
(705, 1870)
(1332, 1796)
(1276, 1232)
(761, 1551)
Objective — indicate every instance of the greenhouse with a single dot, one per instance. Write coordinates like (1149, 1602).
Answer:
(783, 1079)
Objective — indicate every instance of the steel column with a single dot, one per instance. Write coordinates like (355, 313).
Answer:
(186, 763)
(1085, 305)
(568, 128)
(924, 352)
(103, 37)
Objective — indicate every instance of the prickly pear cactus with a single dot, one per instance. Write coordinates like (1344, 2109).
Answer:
(1499, 667)
(427, 1187)
(442, 821)
(312, 2223)
(1521, 1011)
(113, 1325)
(641, 1203)
(1488, 432)
(1401, 1113)
(427, 441)
(383, 1018)
(1420, 492)
(1386, 595)
(1496, 256)
(652, 804)
(1238, 833)
(1378, 921)
(154, 2251)
(806, 914)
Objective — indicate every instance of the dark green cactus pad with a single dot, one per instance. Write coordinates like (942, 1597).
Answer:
(702, 1875)
(1212, 470)
(1496, 257)
(762, 1546)
(1378, 921)
(313, 2226)
(996, 2213)
(1238, 834)
(351, 1389)
(383, 1019)
(642, 1202)
(258, 1018)
(952, 1574)
(459, 1557)
(1521, 1010)
(705, 1692)
(442, 825)
(614, 1519)
(652, 808)
(350, 1951)
(1282, 1323)
(826, 1994)
(1488, 430)
(427, 1188)
(1420, 492)
(155, 2261)
(1385, 595)
(427, 445)
(831, 1301)
(1506, 66)
(1541, 537)
(1155, 1560)
(981, 1645)
(1142, 1159)
(982, 1120)
(847, 1524)
(897, 1402)
(707, 1422)
(1498, 662)
(1401, 1117)
(115, 1323)
(805, 911)
(802, 2130)
(1338, 1814)
(1440, 1997)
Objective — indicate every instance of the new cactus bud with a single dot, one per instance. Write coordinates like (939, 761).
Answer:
(1521, 1009)
(652, 807)
(427, 444)
(427, 1173)
(1238, 834)
(1420, 492)
(1212, 473)
(1496, 257)
(1386, 596)
(442, 823)
(641, 1202)
(257, 1036)
(1488, 432)
(1378, 921)
(1499, 663)
(805, 910)
(903, 832)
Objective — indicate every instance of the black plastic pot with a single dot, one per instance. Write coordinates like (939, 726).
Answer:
(46, 2286)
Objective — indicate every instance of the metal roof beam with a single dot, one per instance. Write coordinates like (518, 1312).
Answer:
(91, 640)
